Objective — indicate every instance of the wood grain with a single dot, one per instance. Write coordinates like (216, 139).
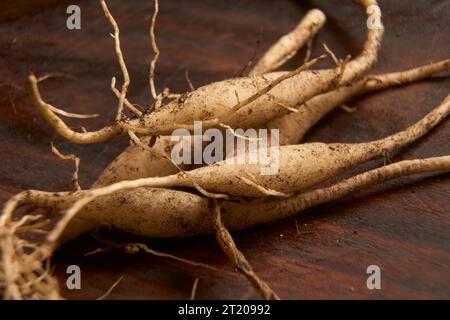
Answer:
(323, 253)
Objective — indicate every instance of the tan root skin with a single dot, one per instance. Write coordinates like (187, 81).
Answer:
(300, 166)
(186, 214)
(293, 126)
(288, 45)
(304, 165)
(134, 192)
(222, 102)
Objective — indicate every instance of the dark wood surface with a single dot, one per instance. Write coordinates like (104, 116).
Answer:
(402, 226)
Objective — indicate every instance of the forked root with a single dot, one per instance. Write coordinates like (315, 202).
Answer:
(123, 67)
(60, 126)
(73, 158)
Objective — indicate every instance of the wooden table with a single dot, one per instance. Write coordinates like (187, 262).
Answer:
(402, 226)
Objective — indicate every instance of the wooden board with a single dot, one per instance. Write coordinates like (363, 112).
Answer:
(403, 226)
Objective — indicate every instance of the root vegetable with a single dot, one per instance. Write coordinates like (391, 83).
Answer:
(241, 102)
(146, 219)
(135, 163)
(145, 193)
(155, 212)
(143, 218)
(293, 126)
(300, 166)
